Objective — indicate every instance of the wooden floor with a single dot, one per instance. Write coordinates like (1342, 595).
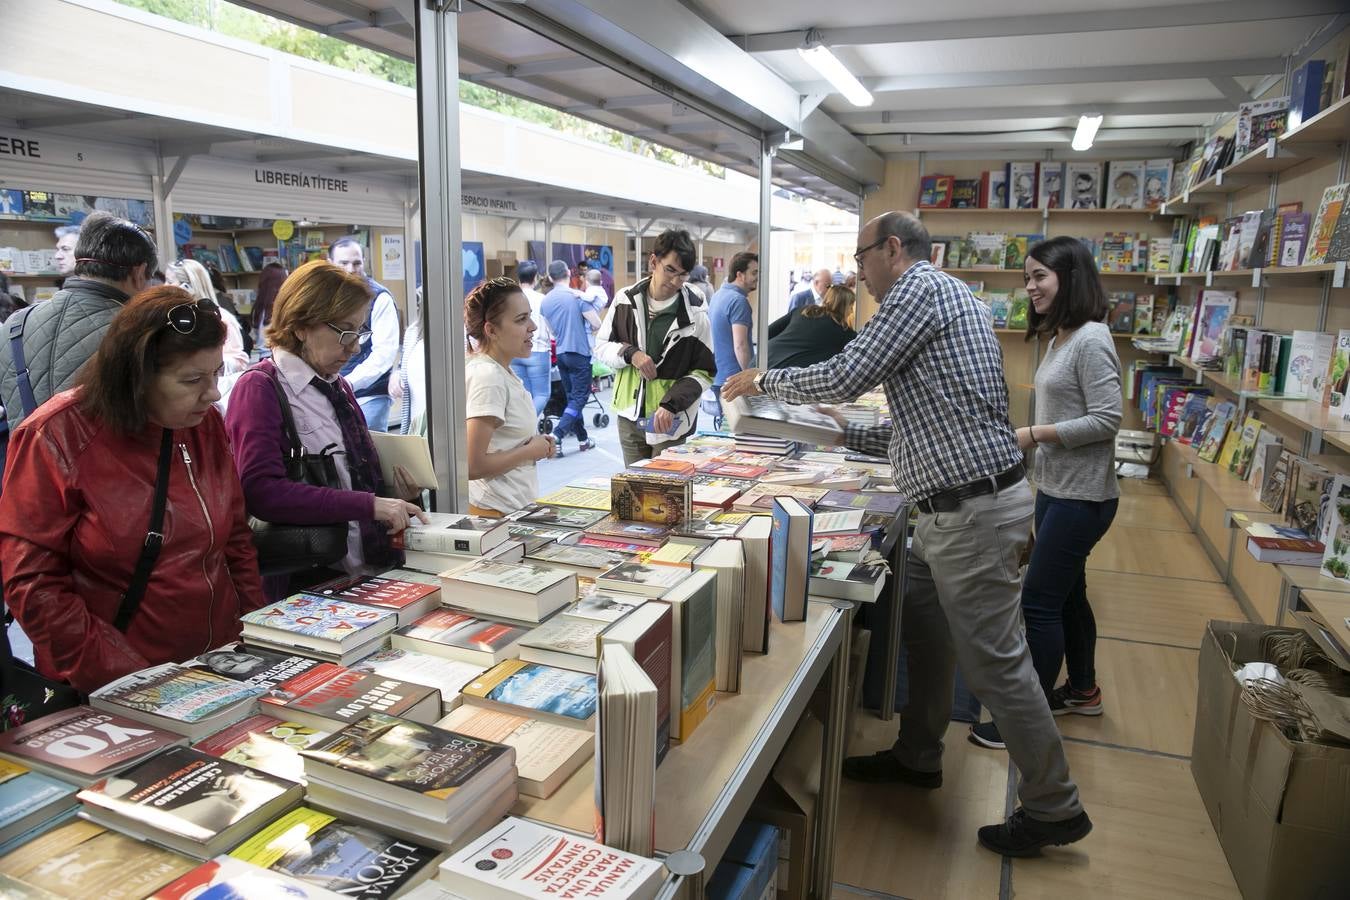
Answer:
(1152, 589)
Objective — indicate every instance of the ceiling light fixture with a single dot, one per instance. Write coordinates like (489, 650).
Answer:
(833, 71)
(1085, 132)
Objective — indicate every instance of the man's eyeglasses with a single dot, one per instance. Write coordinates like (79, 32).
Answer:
(349, 338)
(862, 251)
(674, 273)
(183, 317)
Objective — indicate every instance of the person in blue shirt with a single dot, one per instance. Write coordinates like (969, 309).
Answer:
(568, 313)
(731, 318)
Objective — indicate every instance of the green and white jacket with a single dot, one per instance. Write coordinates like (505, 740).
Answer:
(684, 364)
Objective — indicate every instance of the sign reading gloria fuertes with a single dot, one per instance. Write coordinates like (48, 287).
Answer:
(303, 180)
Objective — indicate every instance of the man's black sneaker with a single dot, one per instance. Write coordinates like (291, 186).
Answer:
(1022, 835)
(882, 767)
(986, 734)
(1064, 701)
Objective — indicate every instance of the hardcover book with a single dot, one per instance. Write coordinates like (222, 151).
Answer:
(627, 532)
(81, 744)
(526, 592)
(453, 534)
(1324, 225)
(635, 577)
(189, 801)
(790, 555)
(847, 581)
(586, 560)
(643, 496)
(564, 642)
(648, 636)
(1021, 185)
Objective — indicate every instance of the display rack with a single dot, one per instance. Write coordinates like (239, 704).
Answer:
(705, 786)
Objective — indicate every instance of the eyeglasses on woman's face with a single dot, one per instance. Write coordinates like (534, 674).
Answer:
(183, 317)
(349, 338)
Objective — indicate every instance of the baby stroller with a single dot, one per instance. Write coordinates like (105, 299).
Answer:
(557, 398)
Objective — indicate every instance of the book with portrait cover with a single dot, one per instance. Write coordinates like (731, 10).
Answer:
(344, 857)
(189, 801)
(81, 744)
(280, 676)
(646, 496)
(430, 771)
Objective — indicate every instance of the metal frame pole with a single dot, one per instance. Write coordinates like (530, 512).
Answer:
(766, 154)
(832, 759)
(437, 29)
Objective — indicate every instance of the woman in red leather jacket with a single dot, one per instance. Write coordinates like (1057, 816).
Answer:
(78, 493)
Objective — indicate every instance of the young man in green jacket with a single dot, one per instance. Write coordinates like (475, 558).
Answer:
(659, 343)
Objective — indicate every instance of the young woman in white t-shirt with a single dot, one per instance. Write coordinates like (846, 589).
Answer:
(503, 434)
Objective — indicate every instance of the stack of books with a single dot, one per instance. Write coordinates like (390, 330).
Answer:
(415, 779)
(526, 592)
(30, 802)
(187, 701)
(547, 754)
(81, 745)
(321, 627)
(461, 636)
(447, 539)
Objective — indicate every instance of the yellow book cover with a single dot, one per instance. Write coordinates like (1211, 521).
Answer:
(278, 838)
(693, 715)
(72, 861)
(585, 498)
(1232, 442)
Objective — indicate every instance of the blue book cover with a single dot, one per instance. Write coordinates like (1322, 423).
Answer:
(1305, 93)
(789, 578)
(25, 795)
(539, 688)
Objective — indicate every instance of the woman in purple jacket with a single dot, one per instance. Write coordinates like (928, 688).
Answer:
(317, 324)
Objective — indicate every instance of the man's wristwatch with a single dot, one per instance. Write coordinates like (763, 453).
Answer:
(759, 381)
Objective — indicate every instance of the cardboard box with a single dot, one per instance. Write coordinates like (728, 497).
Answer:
(774, 806)
(1281, 808)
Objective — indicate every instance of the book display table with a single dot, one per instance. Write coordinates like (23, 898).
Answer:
(705, 786)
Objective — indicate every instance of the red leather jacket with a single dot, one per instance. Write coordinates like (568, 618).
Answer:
(73, 517)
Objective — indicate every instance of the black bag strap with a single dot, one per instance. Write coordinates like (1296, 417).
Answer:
(154, 539)
(294, 449)
(14, 326)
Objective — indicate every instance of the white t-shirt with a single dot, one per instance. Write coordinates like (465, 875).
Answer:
(497, 392)
(543, 336)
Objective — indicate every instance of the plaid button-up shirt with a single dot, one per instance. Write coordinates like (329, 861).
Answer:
(932, 348)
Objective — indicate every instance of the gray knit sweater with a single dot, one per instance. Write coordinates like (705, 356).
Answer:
(1078, 391)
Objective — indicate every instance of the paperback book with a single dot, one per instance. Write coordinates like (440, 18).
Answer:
(538, 691)
(333, 629)
(526, 592)
(408, 599)
(460, 636)
(189, 801)
(264, 743)
(445, 675)
(546, 753)
(81, 744)
(351, 695)
(179, 699)
(566, 642)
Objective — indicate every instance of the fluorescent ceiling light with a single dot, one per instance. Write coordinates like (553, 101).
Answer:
(833, 71)
(1086, 131)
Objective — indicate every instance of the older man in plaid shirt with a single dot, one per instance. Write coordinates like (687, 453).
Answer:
(930, 345)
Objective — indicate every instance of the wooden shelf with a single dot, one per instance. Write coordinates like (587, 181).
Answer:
(744, 733)
(1150, 213)
(969, 271)
(1306, 415)
(975, 211)
(1277, 276)
(1331, 125)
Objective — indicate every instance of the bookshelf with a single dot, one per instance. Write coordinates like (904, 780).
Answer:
(1292, 276)
(705, 786)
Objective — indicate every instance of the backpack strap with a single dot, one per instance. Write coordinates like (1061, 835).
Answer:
(14, 325)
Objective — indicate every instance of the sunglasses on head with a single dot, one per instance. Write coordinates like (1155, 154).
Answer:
(183, 317)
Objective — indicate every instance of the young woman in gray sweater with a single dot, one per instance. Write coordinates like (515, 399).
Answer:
(1078, 409)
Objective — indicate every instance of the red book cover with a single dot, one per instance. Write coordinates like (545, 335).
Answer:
(674, 466)
(371, 590)
(84, 741)
(350, 695)
(457, 629)
(283, 676)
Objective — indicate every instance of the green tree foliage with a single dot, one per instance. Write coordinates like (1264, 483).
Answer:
(257, 28)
